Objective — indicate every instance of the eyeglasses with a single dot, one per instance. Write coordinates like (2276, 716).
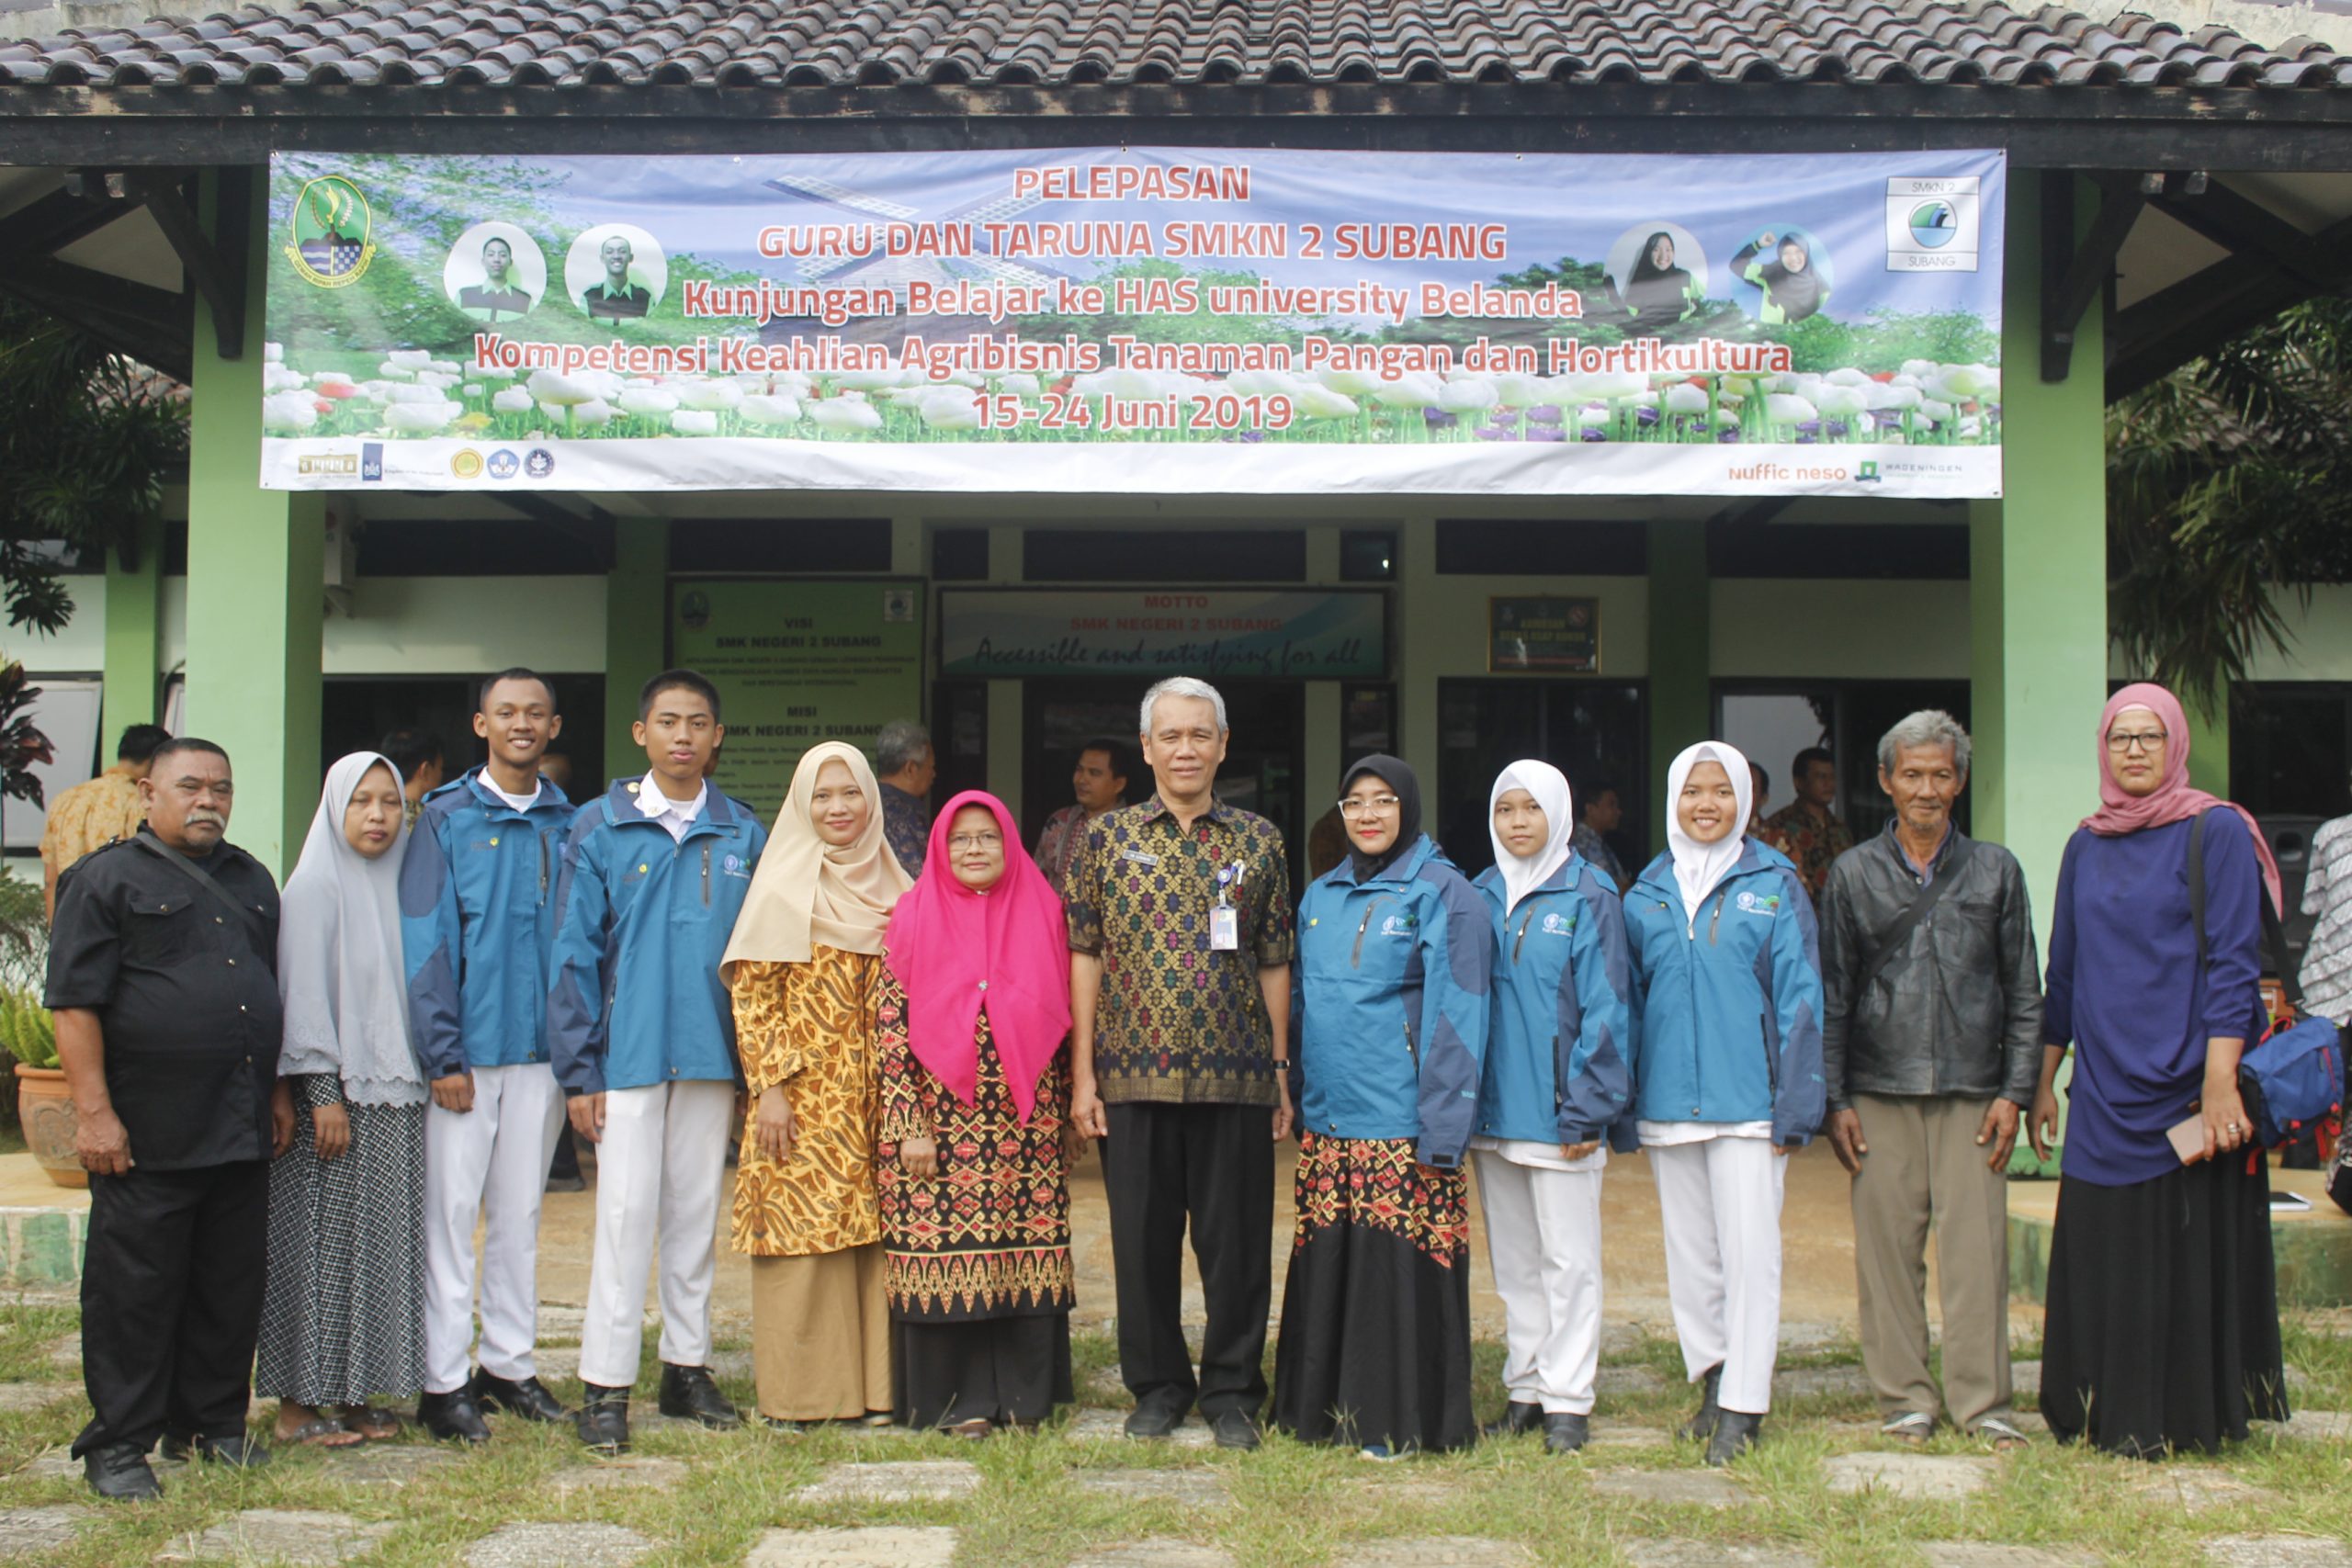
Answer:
(974, 840)
(2121, 742)
(1378, 805)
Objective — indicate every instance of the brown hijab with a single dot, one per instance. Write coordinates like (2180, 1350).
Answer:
(807, 892)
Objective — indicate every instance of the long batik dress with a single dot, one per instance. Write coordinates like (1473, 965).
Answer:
(978, 1259)
(820, 1331)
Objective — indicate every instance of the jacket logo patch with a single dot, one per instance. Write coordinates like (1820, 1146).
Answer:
(1399, 925)
(733, 867)
(1750, 904)
(1557, 924)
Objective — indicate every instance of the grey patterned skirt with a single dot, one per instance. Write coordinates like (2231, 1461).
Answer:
(343, 1316)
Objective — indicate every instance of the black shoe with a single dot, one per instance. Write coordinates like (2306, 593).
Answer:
(526, 1397)
(602, 1420)
(1564, 1433)
(1234, 1429)
(119, 1472)
(1154, 1418)
(1517, 1420)
(238, 1453)
(573, 1183)
(455, 1415)
(1734, 1434)
(689, 1393)
(1701, 1428)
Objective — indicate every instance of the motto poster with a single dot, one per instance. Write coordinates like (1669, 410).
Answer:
(1138, 321)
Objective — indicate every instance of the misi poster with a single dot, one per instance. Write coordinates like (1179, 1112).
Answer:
(1138, 321)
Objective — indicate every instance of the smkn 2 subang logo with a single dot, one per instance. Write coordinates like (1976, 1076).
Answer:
(330, 230)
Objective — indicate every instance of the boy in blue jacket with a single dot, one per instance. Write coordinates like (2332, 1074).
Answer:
(477, 929)
(644, 1045)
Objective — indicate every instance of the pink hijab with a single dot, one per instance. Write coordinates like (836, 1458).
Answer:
(2174, 798)
(956, 951)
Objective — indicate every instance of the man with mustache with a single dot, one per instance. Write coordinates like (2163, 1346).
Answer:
(161, 972)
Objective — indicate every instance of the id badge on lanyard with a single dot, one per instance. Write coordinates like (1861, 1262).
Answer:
(1224, 921)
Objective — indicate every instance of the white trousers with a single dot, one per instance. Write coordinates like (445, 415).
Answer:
(1543, 1239)
(658, 1172)
(487, 1164)
(1720, 1207)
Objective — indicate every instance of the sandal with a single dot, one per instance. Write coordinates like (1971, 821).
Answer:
(372, 1424)
(2004, 1437)
(315, 1433)
(976, 1427)
(1912, 1428)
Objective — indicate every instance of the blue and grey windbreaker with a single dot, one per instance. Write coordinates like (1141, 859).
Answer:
(1559, 1061)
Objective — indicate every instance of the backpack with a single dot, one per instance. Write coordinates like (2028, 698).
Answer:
(2294, 1078)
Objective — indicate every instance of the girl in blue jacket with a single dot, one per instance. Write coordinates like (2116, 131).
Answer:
(1727, 977)
(1558, 1073)
(1394, 955)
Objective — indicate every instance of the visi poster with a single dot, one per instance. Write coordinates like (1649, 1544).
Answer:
(1139, 321)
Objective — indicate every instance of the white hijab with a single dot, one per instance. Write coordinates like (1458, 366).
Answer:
(1524, 875)
(1696, 866)
(340, 973)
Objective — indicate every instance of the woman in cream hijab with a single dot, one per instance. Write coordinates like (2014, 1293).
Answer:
(805, 970)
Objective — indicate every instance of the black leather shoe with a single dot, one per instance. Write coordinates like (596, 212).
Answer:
(455, 1415)
(1701, 1428)
(238, 1453)
(1235, 1429)
(526, 1397)
(1154, 1418)
(1564, 1433)
(689, 1393)
(120, 1473)
(602, 1420)
(1516, 1420)
(1734, 1434)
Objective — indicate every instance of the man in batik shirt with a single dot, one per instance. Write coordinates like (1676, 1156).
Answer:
(1807, 830)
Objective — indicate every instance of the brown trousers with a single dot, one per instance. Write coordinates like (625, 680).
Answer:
(1925, 1167)
(820, 1335)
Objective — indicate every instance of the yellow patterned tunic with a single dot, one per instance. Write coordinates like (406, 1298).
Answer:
(810, 1027)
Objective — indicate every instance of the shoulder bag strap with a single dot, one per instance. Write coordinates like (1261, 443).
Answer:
(2274, 933)
(204, 879)
(1925, 900)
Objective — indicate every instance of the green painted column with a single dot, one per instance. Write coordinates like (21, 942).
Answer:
(2038, 593)
(255, 588)
(1682, 702)
(637, 611)
(2208, 743)
(133, 639)
(2038, 590)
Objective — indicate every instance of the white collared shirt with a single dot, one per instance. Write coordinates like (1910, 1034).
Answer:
(677, 815)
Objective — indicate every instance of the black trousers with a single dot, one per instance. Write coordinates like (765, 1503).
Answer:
(1214, 1166)
(170, 1302)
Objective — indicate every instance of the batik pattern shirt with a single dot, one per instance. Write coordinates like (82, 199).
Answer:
(1811, 841)
(809, 1028)
(1058, 843)
(91, 816)
(2327, 893)
(906, 827)
(1587, 842)
(1178, 1021)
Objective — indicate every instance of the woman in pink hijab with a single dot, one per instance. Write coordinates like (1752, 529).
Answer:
(974, 1138)
(2163, 1322)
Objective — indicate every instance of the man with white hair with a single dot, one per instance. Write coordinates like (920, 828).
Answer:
(1930, 1038)
(905, 765)
(1182, 936)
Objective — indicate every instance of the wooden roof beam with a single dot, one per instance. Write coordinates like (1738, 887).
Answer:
(216, 271)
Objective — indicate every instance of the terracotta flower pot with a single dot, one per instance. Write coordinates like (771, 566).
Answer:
(46, 1111)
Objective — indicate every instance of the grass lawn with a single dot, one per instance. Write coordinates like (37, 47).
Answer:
(1286, 1504)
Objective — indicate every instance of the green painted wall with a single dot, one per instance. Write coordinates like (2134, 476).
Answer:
(133, 608)
(255, 592)
(637, 608)
(2209, 744)
(1681, 648)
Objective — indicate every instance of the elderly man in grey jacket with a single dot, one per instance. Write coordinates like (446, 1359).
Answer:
(1930, 1043)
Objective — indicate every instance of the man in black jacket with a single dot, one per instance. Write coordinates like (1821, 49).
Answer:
(162, 974)
(1930, 1044)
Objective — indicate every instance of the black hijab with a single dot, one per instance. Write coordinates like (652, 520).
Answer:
(1398, 777)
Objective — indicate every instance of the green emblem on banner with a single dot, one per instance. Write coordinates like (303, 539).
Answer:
(330, 230)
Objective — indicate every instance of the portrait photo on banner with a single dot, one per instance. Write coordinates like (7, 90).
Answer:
(495, 272)
(616, 272)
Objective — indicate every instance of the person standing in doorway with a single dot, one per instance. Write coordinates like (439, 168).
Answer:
(1727, 1079)
(905, 765)
(1182, 937)
(423, 765)
(1099, 781)
(1808, 830)
(644, 1045)
(163, 975)
(1603, 811)
(478, 913)
(1932, 1045)
(2326, 972)
(97, 811)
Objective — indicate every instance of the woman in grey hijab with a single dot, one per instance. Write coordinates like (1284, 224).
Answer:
(343, 1314)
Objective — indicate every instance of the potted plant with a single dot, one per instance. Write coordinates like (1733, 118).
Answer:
(44, 1106)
